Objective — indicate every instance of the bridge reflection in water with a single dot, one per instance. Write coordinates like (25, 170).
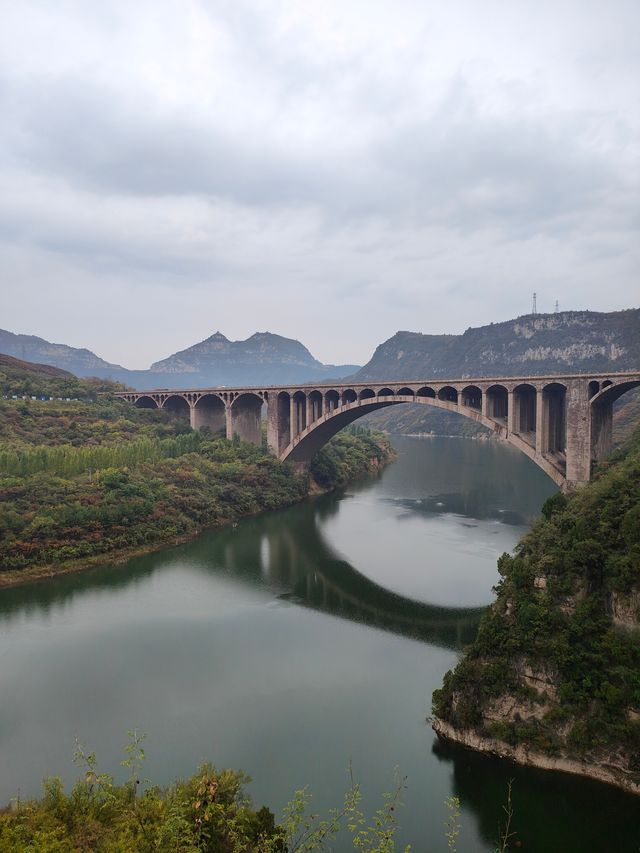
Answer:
(293, 560)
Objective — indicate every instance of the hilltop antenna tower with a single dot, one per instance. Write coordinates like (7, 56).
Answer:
(534, 310)
(557, 306)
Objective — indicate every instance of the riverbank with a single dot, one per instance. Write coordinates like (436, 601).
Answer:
(120, 513)
(551, 680)
(609, 774)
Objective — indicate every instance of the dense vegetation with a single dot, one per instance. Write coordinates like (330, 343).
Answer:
(561, 643)
(207, 813)
(92, 475)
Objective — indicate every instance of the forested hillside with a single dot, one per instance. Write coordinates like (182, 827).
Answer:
(553, 677)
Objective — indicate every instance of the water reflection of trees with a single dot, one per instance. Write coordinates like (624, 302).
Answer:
(284, 551)
(481, 782)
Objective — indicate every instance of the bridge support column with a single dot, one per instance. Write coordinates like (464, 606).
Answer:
(293, 418)
(540, 424)
(228, 422)
(511, 414)
(578, 434)
(273, 425)
(309, 419)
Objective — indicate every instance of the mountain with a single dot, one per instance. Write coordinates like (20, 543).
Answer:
(81, 362)
(536, 344)
(263, 359)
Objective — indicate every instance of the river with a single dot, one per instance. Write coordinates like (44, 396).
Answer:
(296, 644)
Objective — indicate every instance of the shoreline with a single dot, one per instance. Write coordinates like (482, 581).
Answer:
(525, 757)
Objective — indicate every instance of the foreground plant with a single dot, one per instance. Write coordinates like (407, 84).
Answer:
(207, 813)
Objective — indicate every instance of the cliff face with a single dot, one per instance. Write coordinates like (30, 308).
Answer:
(553, 677)
(570, 341)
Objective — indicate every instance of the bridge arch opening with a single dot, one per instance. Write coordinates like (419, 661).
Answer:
(405, 392)
(315, 405)
(448, 394)
(426, 392)
(246, 417)
(349, 396)
(298, 413)
(178, 405)
(554, 402)
(498, 403)
(602, 416)
(209, 411)
(367, 393)
(525, 412)
(385, 392)
(594, 387)
(471, 397)
(146, 402)
(332, 400)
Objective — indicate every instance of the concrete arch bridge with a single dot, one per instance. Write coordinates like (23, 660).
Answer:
(562, 422)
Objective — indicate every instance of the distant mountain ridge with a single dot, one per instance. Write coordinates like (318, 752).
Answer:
(568, 342)
(263, 359)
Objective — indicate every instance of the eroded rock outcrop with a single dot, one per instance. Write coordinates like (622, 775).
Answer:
(553, 677)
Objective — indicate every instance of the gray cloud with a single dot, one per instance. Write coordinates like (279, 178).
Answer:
(286, 168)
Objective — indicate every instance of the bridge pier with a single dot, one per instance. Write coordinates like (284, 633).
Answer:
(578, 435)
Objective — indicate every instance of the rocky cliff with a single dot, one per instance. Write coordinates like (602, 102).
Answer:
(553, 677)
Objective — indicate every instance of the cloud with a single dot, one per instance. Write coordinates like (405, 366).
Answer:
(412, 166)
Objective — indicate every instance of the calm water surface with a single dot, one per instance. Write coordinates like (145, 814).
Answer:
(299, 642)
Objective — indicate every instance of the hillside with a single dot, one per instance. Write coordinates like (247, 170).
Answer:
(89, 475)
(263, 359)
(553, 677)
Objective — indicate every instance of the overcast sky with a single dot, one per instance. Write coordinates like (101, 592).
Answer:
(329, 171)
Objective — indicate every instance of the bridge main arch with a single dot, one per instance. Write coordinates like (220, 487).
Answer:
(316, 435)
(466, 403)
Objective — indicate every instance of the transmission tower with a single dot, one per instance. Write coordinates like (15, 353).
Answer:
(534, 310)
(557, 306)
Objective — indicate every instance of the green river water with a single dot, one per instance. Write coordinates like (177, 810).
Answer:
(295, 644)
